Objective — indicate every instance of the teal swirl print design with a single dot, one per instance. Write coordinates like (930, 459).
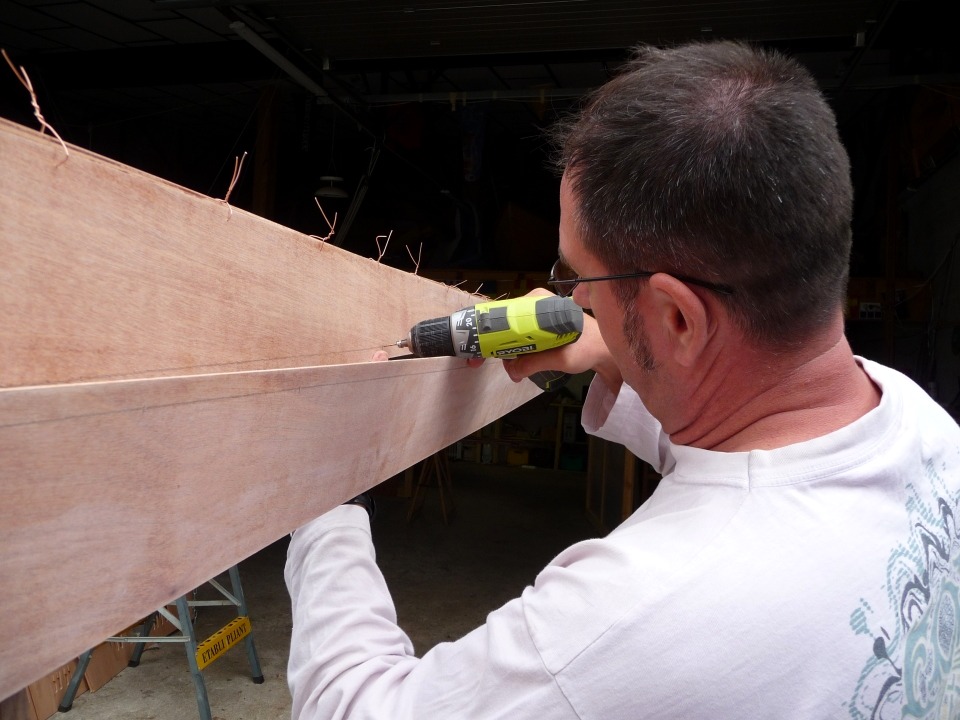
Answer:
(912, 671)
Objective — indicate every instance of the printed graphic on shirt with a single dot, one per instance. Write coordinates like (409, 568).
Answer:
(913, 671)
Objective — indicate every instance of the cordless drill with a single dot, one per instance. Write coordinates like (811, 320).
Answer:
(501, 329)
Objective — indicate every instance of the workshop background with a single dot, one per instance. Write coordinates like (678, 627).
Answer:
(424, 120)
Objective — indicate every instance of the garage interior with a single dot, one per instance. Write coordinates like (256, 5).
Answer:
(424, 122)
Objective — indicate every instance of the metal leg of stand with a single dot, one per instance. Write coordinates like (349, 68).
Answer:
(187, 636)
(255, 671)
(144, 633)
(203, 702)
(67, 702)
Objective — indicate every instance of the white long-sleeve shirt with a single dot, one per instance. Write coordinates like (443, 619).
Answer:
(818, 580)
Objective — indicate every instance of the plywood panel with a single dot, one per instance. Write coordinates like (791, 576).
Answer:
(182, 383)
(107, 272)
(150, 487)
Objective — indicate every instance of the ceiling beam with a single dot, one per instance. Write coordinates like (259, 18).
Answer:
(193, 64)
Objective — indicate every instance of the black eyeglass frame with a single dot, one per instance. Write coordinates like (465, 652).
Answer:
(560, 286)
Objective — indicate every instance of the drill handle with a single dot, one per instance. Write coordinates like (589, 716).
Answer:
(548, 380)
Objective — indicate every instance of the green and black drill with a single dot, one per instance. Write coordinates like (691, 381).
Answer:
(501, 329)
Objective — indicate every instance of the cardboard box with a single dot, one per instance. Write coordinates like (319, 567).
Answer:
(16, 707)
(106, 662)
(41, 699)
(46, 693)
(109, 658)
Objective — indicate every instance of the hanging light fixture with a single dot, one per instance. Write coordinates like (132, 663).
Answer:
(329, 187)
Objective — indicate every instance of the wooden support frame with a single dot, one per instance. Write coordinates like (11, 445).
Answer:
(181, 384)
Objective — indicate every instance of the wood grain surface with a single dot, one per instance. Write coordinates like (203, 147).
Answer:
(181, 385)
(107, 272)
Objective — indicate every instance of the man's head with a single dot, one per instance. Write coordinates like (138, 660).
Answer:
(721, 162)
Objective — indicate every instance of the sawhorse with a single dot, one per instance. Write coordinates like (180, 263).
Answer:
(435, 472)
(199, 655)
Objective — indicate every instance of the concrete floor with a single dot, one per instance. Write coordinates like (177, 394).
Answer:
(509, 523)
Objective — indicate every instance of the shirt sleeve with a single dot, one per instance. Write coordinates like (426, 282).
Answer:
(349, 659)
(622, 418)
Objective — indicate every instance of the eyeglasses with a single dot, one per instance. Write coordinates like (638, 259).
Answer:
(565, 281)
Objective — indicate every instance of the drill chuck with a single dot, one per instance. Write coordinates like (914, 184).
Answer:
(430, 338)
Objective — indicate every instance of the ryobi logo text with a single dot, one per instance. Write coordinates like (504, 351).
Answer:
(516, 350)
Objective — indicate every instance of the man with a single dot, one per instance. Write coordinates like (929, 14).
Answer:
(799, 559)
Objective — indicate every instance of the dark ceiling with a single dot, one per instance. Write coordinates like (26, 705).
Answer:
(433, 111)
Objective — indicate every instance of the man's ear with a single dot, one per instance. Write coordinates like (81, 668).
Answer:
(683, 319)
